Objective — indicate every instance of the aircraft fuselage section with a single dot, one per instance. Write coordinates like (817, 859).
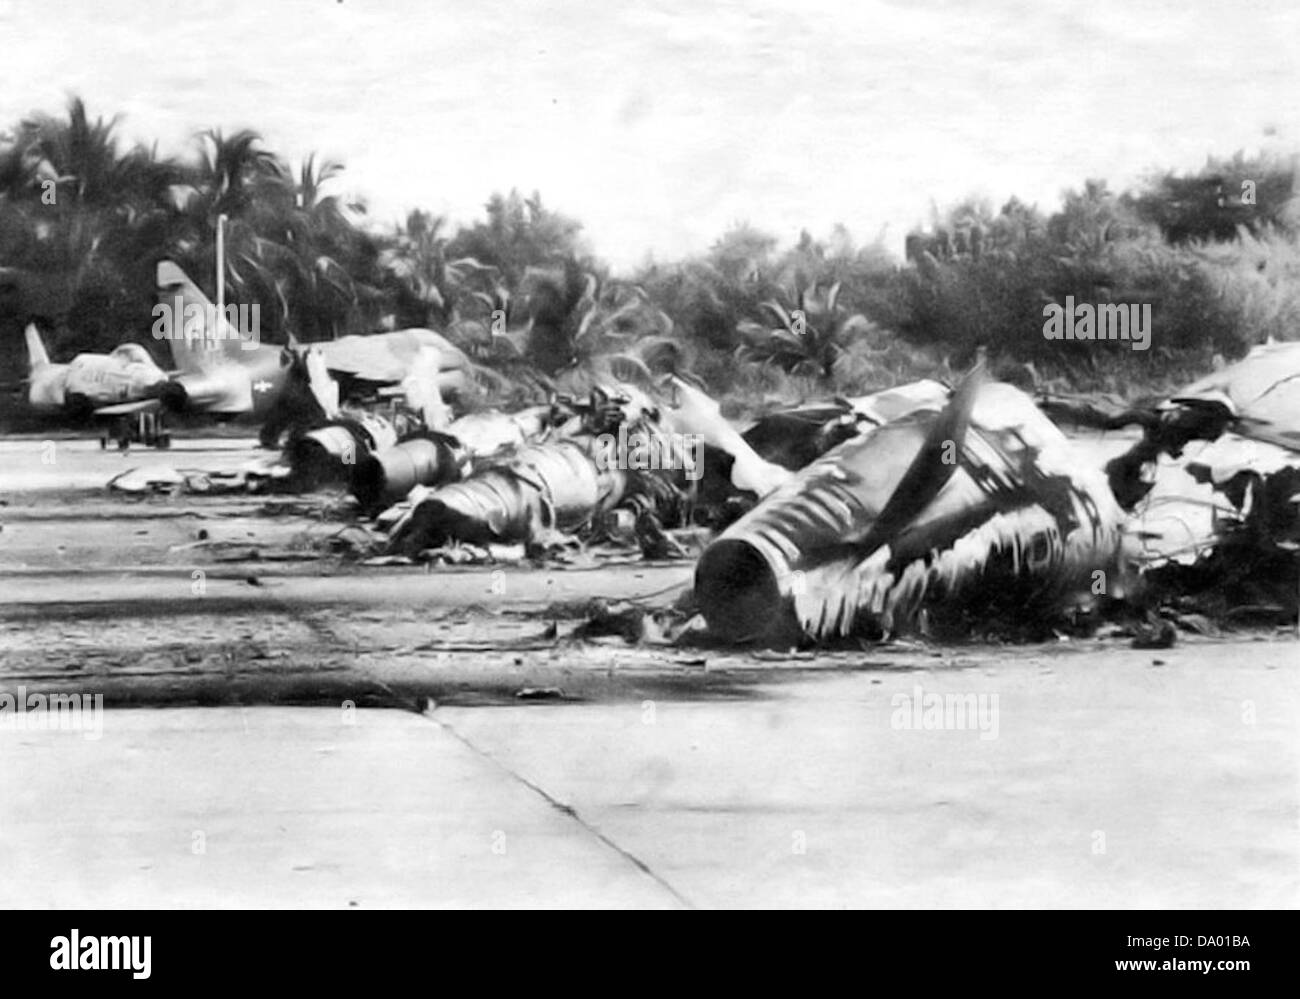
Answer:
(106, 379)
(96, 379)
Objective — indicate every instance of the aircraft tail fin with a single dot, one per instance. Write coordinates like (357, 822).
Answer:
(200, 339)
(37, 357)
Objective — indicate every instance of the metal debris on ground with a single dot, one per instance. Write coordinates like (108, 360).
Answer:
(913, 509)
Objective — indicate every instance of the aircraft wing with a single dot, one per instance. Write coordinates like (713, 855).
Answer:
(388, 357)
(125, 408)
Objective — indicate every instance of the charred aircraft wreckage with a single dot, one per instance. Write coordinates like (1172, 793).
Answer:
(919, 509)
(966, 506)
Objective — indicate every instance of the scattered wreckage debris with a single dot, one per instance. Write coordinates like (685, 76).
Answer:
(917, 509)
(1214, 489)
(637, 624)
(795, 438)
(540, 694)
(536, 493)
(256, 476)
(617, 450)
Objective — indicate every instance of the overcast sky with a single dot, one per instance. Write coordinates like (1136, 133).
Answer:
(659, 124)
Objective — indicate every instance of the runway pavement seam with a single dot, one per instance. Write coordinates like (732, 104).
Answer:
(568, 810)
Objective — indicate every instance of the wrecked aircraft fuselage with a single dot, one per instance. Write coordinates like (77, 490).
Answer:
(927, 522)
(1217, 501)
(329, 455)
(429, 457)
(617, 447)
(541, 491)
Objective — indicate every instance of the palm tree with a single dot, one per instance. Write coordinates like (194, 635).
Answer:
(430, 284)
(235, 174)
(80, 212)
(290, 247)
(328, 276)
(812, 329)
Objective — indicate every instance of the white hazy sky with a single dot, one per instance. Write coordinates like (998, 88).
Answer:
(659, 124)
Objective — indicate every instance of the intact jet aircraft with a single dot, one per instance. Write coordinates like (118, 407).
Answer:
(89, 383)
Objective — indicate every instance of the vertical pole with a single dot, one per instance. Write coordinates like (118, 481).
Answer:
(217, 330)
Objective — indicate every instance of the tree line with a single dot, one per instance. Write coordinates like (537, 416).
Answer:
(83, 221)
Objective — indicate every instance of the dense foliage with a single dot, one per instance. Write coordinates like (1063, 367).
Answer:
(83, 222)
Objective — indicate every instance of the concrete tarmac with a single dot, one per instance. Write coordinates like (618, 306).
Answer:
(516, 763)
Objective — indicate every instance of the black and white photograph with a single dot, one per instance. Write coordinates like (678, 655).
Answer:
(792, 454)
